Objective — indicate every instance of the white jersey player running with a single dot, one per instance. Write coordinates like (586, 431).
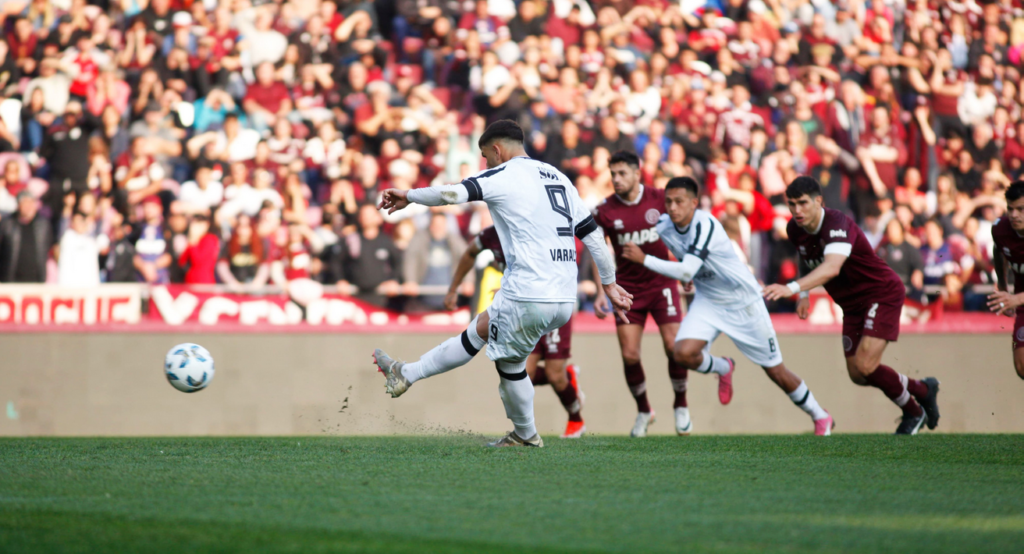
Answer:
(727, 299)
(537, 212)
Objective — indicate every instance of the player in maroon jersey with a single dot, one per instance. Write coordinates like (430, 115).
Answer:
(554, 347)
(629, 217)
(1008, 234)
(837, 254)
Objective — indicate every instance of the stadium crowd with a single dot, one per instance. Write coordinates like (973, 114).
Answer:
(245, 142)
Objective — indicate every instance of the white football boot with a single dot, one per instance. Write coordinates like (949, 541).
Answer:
(643, 420)
(683, 423)
(512, 439)
(396, 383)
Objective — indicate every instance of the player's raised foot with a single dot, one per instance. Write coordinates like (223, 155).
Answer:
(512, 439)
(929, 403)
(643, 421)
(573, 371)
(911, 424)
(574, 430)
(823, 427)
(683, 423)
(396, 384)
(725, 383)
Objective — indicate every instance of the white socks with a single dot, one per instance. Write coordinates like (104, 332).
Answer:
(450, 354)
(713, 364)
(516, 393)
(804, 399)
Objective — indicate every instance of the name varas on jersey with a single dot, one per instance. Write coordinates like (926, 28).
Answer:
(563, 254)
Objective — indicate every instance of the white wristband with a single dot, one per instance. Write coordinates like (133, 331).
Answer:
(794, 287)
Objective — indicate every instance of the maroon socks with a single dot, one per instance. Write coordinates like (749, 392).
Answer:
(677, 374)
(638, 386)
(899, 388)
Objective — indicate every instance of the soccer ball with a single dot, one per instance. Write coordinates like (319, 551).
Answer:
(189, 367)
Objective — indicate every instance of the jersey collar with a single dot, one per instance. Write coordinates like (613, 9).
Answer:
(820, 222)
(639, 197)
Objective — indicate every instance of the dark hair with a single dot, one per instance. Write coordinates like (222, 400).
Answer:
(502, 129)
(625, 157)
(803, 185)
(1015, 191)
(684, 183)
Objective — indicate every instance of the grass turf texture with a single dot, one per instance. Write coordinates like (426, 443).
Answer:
(853, 493)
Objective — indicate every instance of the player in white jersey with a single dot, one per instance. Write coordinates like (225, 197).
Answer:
(727, 299)
(537, 212)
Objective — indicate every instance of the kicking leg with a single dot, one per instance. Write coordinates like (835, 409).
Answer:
(450, 354)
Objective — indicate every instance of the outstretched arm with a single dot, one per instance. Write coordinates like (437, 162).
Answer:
(395, 199)
(682, 271)
(818, 276)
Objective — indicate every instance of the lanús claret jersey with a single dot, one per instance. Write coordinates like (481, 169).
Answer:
(723, 278)
(537, 213)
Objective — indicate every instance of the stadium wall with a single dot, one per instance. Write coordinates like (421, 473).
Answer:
(309, 384)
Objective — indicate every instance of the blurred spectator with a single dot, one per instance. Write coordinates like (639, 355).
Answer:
(370, 263)
(10, 187)
(202, 194)
(119, 264)
(242, 259)
(200, 257)
(66, 149)
(78, 255)
(25, 241)
(904, 259)
(297, 262)
(152, 251)
(430, 261)
(940, 266)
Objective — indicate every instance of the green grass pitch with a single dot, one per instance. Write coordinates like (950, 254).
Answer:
(853, 493)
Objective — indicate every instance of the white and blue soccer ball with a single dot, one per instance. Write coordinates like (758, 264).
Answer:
(189, 367)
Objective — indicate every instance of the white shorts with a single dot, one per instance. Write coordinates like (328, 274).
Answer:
(750, 329)
(516, 327)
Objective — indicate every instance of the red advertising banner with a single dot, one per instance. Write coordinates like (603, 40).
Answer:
(177, 305)
(182, 308)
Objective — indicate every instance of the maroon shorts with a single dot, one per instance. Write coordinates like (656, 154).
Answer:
(661, 302)
(879, 319)
(557, 344)
(1018, 329)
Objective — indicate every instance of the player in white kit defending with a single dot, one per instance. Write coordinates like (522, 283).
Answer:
(727, 299)
(537, 212)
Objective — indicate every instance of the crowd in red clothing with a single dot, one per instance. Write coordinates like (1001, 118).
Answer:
(243, 141)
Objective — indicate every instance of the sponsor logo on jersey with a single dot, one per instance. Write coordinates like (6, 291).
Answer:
(814, 263)
(618, 224)
(563, 254)
(837, 233)
(704, 274)
(548, 175)
(652, 216)
(639, 237)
